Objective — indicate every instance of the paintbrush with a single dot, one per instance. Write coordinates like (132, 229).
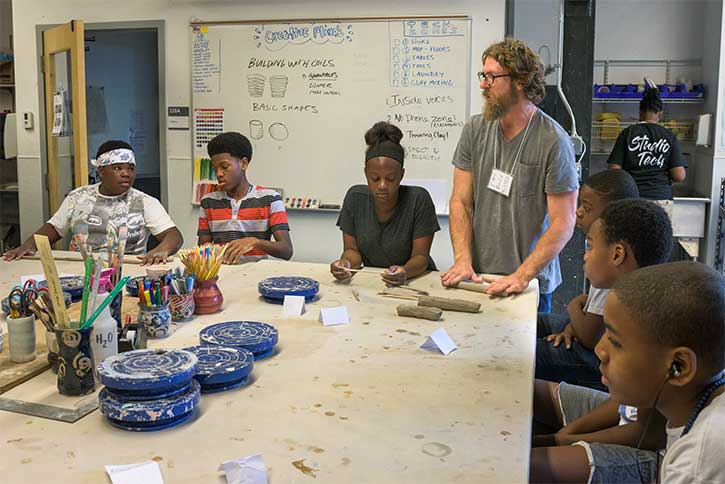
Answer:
(81, 239)
(396, 296)
(86, 283)
(42, 315)
(122, 237)
(110, 242)
(96, 284)
(417, 291)
(363, 269)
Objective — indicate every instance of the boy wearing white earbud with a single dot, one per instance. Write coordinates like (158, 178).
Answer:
(596, 439)
(664, 347)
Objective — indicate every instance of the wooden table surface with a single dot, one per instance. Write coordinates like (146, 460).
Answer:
(359, 403)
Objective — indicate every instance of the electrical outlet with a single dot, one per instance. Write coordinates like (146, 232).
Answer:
(28, 120)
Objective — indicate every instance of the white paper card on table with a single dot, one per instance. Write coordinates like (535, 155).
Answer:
(334, 316)
(247, 470)
(293, 306)
(40, 277)
(144, 473)
(439, 340)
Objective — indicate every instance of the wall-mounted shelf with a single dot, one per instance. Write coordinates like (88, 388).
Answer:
(599, 100)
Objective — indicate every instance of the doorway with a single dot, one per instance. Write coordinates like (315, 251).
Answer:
(122, 97)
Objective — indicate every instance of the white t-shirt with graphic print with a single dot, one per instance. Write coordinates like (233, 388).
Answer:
(142, 214)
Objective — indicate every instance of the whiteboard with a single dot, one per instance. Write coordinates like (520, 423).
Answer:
(305, 93)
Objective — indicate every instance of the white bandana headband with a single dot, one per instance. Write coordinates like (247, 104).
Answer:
(121, 155)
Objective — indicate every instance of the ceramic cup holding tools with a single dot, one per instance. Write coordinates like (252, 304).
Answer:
(182, 306)
(75, 361)
(52, 343)
(155, 319)
(21, 333)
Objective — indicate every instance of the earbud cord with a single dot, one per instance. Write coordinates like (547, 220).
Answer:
(646, 427)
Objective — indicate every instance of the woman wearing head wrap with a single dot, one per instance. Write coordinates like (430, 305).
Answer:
(113, 202)
(385, 224)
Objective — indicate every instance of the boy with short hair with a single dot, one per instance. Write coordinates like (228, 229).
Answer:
(581, 327)
(611, 443)
(242, 215)
(664, 347)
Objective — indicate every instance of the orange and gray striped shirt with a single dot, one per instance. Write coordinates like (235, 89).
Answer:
(260, 213)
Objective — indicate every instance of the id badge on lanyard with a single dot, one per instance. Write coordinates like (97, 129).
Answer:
(500, 182)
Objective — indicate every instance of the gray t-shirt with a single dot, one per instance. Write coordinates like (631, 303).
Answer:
(384, 244)
(506, 229)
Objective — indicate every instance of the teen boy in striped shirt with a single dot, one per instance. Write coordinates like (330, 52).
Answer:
(242, 215)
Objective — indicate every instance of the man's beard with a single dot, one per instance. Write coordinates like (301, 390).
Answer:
(495, 107)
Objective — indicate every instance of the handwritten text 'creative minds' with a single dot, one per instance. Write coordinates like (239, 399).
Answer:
(278, 36)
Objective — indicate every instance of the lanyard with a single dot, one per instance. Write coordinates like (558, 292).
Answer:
(518, 152)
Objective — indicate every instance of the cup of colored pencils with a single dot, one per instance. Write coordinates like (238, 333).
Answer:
(203, 263)
(181, 299)
(153, 307)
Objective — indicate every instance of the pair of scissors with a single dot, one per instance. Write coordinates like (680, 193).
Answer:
(21, 298)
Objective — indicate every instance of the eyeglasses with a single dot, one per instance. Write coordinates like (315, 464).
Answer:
(490, 78)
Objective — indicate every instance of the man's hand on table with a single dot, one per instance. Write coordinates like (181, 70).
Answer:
(505, 285)
(459, 272)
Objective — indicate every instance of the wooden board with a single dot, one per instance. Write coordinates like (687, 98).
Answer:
(13, 374)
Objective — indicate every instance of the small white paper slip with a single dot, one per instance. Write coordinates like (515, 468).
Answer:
(440, 340)
(293, 306)
(500, 182)
(247, 470)
(334, 316)
(144, 473)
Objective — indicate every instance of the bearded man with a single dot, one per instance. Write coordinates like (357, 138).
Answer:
(515, 182)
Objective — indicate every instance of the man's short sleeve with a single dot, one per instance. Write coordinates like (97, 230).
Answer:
(462, 158)
(561, 174)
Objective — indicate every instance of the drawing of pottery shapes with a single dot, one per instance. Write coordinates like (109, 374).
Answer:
(278, 131)
(256, 129)
(255, 84)
(156, 320)
(278, 85)
(75, 362)
(182, 306)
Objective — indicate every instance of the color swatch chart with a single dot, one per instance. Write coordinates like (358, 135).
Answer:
(204, 179)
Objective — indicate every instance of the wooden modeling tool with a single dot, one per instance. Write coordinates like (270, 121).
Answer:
(51, 276)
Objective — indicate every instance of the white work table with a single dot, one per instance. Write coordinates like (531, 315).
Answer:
(359, 403)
